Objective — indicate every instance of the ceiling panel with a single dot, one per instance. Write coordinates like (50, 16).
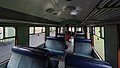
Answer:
(38, 8)
(32, 7)
(106, 11)
(84, 7)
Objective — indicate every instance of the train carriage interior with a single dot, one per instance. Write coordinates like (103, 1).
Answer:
(59, 33)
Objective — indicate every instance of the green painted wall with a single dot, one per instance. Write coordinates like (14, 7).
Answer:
(71, 21)
(23, 35)
(111, 45)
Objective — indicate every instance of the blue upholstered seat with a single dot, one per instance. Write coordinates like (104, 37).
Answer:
(80, 35)
(55, 45)
(28, 58)
(73, 61)
(82, 47)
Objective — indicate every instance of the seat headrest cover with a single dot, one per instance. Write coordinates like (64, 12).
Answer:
(60, 34)
(56, 38)
(80, 34)
(83, 40)
(82, 61)
(30, 53)
(36, 49)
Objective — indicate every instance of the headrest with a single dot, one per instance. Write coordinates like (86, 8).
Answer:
(78, 31)
(56, 38)
(79, 34)
(79, 59)
(60, 34)
(36, 49)
(30, 53)
(83, 40)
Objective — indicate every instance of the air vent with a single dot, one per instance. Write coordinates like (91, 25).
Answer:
(55, 13)
(71, 7)
(49, 10)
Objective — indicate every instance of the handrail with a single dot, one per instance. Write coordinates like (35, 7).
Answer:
(100, 58)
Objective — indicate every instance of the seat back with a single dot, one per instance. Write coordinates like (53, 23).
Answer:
(25, 58)
(82, 46)
(56, 43)
(80, 35)
(73, 61)
(60, 35)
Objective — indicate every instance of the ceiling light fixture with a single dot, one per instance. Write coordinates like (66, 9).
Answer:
(74, 12)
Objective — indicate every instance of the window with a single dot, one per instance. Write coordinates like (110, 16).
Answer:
(99, 42)
(62, 30)
(43, 28)
(73, 29)
(93, 30)
(102, 32)
(69, 28)
(88, 32)
(1, 32)
(38, 29)
(37, 36)
(31, 30)
(9, 31)
(79, 29)
(52, 31)
(7, 41)
(97, 31)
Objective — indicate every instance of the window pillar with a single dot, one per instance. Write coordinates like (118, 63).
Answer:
(22, 33)
(111, 45)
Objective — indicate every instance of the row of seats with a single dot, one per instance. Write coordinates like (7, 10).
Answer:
(80, 35)
(74, 61)
(55, 45)
(29, 57)
(82, 47)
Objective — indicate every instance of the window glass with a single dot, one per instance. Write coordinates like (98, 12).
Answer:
(62, 29)
(99, 46)
(53, 31)
(99, 42)
(102, 32)
(73, 29)
(9, 31)
(38, 38)
(93, 30)
(38, 29)
(31, 30)
(88, 32)
(80, 29)
(97, 31)
(6, 42)
(1, 32)
(58, 30)
(69, 28)
(43, 29)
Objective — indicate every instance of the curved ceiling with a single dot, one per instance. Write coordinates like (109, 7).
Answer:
(79, 10)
